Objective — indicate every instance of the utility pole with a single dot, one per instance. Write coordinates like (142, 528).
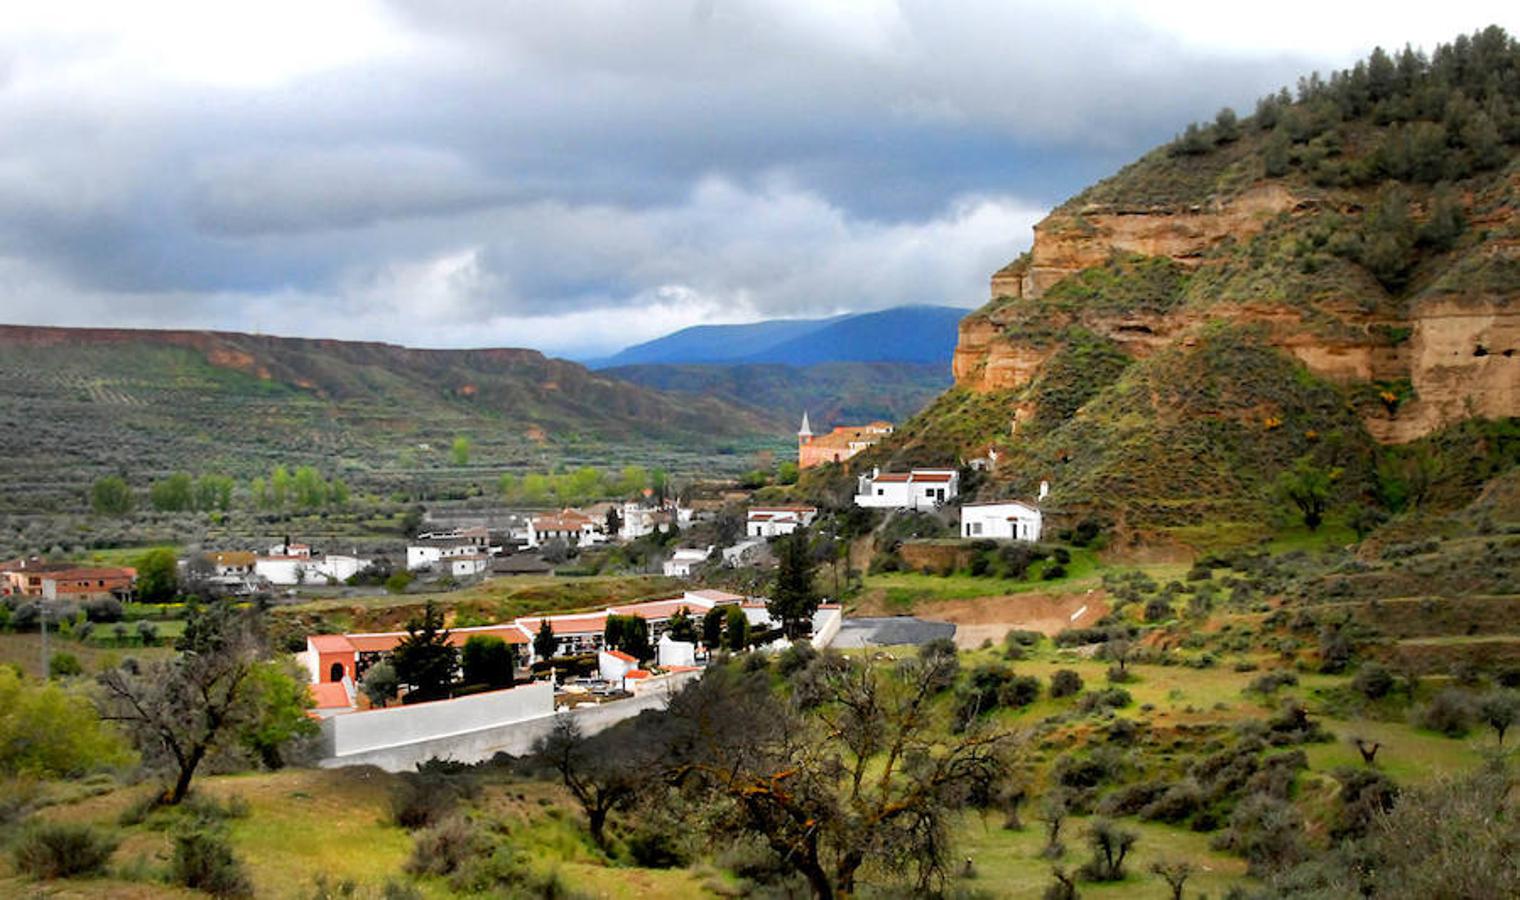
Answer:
(46, 657)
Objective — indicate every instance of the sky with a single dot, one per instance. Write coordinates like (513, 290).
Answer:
(579, 176)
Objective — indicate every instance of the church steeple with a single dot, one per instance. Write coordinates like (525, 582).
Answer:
(805, 433)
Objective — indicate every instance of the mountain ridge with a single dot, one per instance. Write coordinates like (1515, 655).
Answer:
(919, 334)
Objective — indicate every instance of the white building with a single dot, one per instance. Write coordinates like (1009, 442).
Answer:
(672, 652)
(681, 562)
(467, 566)
(615, 665)
(637, 519)
(1007, 520)
(569, 525)
(306, 569)
(916, 489)
(773, 521)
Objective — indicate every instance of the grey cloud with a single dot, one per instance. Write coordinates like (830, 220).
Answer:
(301, 189)
(592, 168)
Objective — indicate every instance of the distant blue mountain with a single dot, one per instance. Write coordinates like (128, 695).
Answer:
(911, 334)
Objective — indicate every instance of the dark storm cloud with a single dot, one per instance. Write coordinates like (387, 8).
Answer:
(572, 175)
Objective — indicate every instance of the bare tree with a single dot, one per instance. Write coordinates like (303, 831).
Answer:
(1063, 888)
(867, 777)
(601, 782)
(179, 711)
(1053, 812)
(1110, 845)
(1175, 873)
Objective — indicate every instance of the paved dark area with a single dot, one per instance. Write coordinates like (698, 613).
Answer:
(894, 630)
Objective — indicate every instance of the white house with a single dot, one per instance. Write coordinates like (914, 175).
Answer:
(306, 569)
(430, 552)
(569, 525)
(916, 489)
(467, 566)
(637, 519)
(1007, 520)
(681, 562)
(773, 521)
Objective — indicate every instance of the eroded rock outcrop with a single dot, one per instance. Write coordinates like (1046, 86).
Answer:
(1452, 352)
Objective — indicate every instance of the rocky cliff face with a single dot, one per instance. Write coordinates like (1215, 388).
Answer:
(1449, 350)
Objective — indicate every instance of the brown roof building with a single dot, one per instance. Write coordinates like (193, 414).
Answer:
(838, 445)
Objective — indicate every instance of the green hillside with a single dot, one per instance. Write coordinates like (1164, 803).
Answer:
(79, 404)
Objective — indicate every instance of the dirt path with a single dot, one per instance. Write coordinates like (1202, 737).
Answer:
(991, 618)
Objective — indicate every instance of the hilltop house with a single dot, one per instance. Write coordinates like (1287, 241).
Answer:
(1007, 520)
(838, 445)
(916, 489)
(774, 521)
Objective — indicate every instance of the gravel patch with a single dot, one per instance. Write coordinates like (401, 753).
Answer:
(890, 631)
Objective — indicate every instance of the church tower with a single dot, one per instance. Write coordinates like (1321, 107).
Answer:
(805, 433)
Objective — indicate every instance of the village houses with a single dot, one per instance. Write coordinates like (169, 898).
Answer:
(332, 658)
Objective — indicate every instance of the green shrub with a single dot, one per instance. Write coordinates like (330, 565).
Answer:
(203, 860)
(1109, 698)
(62, 850)
(426, 797)
(487, 660)
(1020, 691)
(1452, 712)
(1065, 683)
(1373, 681)
(64, 665)
(444, 848)
(1269, 683)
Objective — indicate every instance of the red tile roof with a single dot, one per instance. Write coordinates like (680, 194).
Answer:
(618, 654)
(385, 641)
(713, 595)
(654, 609)
(330, 643)
(330, 695)
(587, 624)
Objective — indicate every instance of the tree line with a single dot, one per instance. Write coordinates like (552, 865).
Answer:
(304, 488)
